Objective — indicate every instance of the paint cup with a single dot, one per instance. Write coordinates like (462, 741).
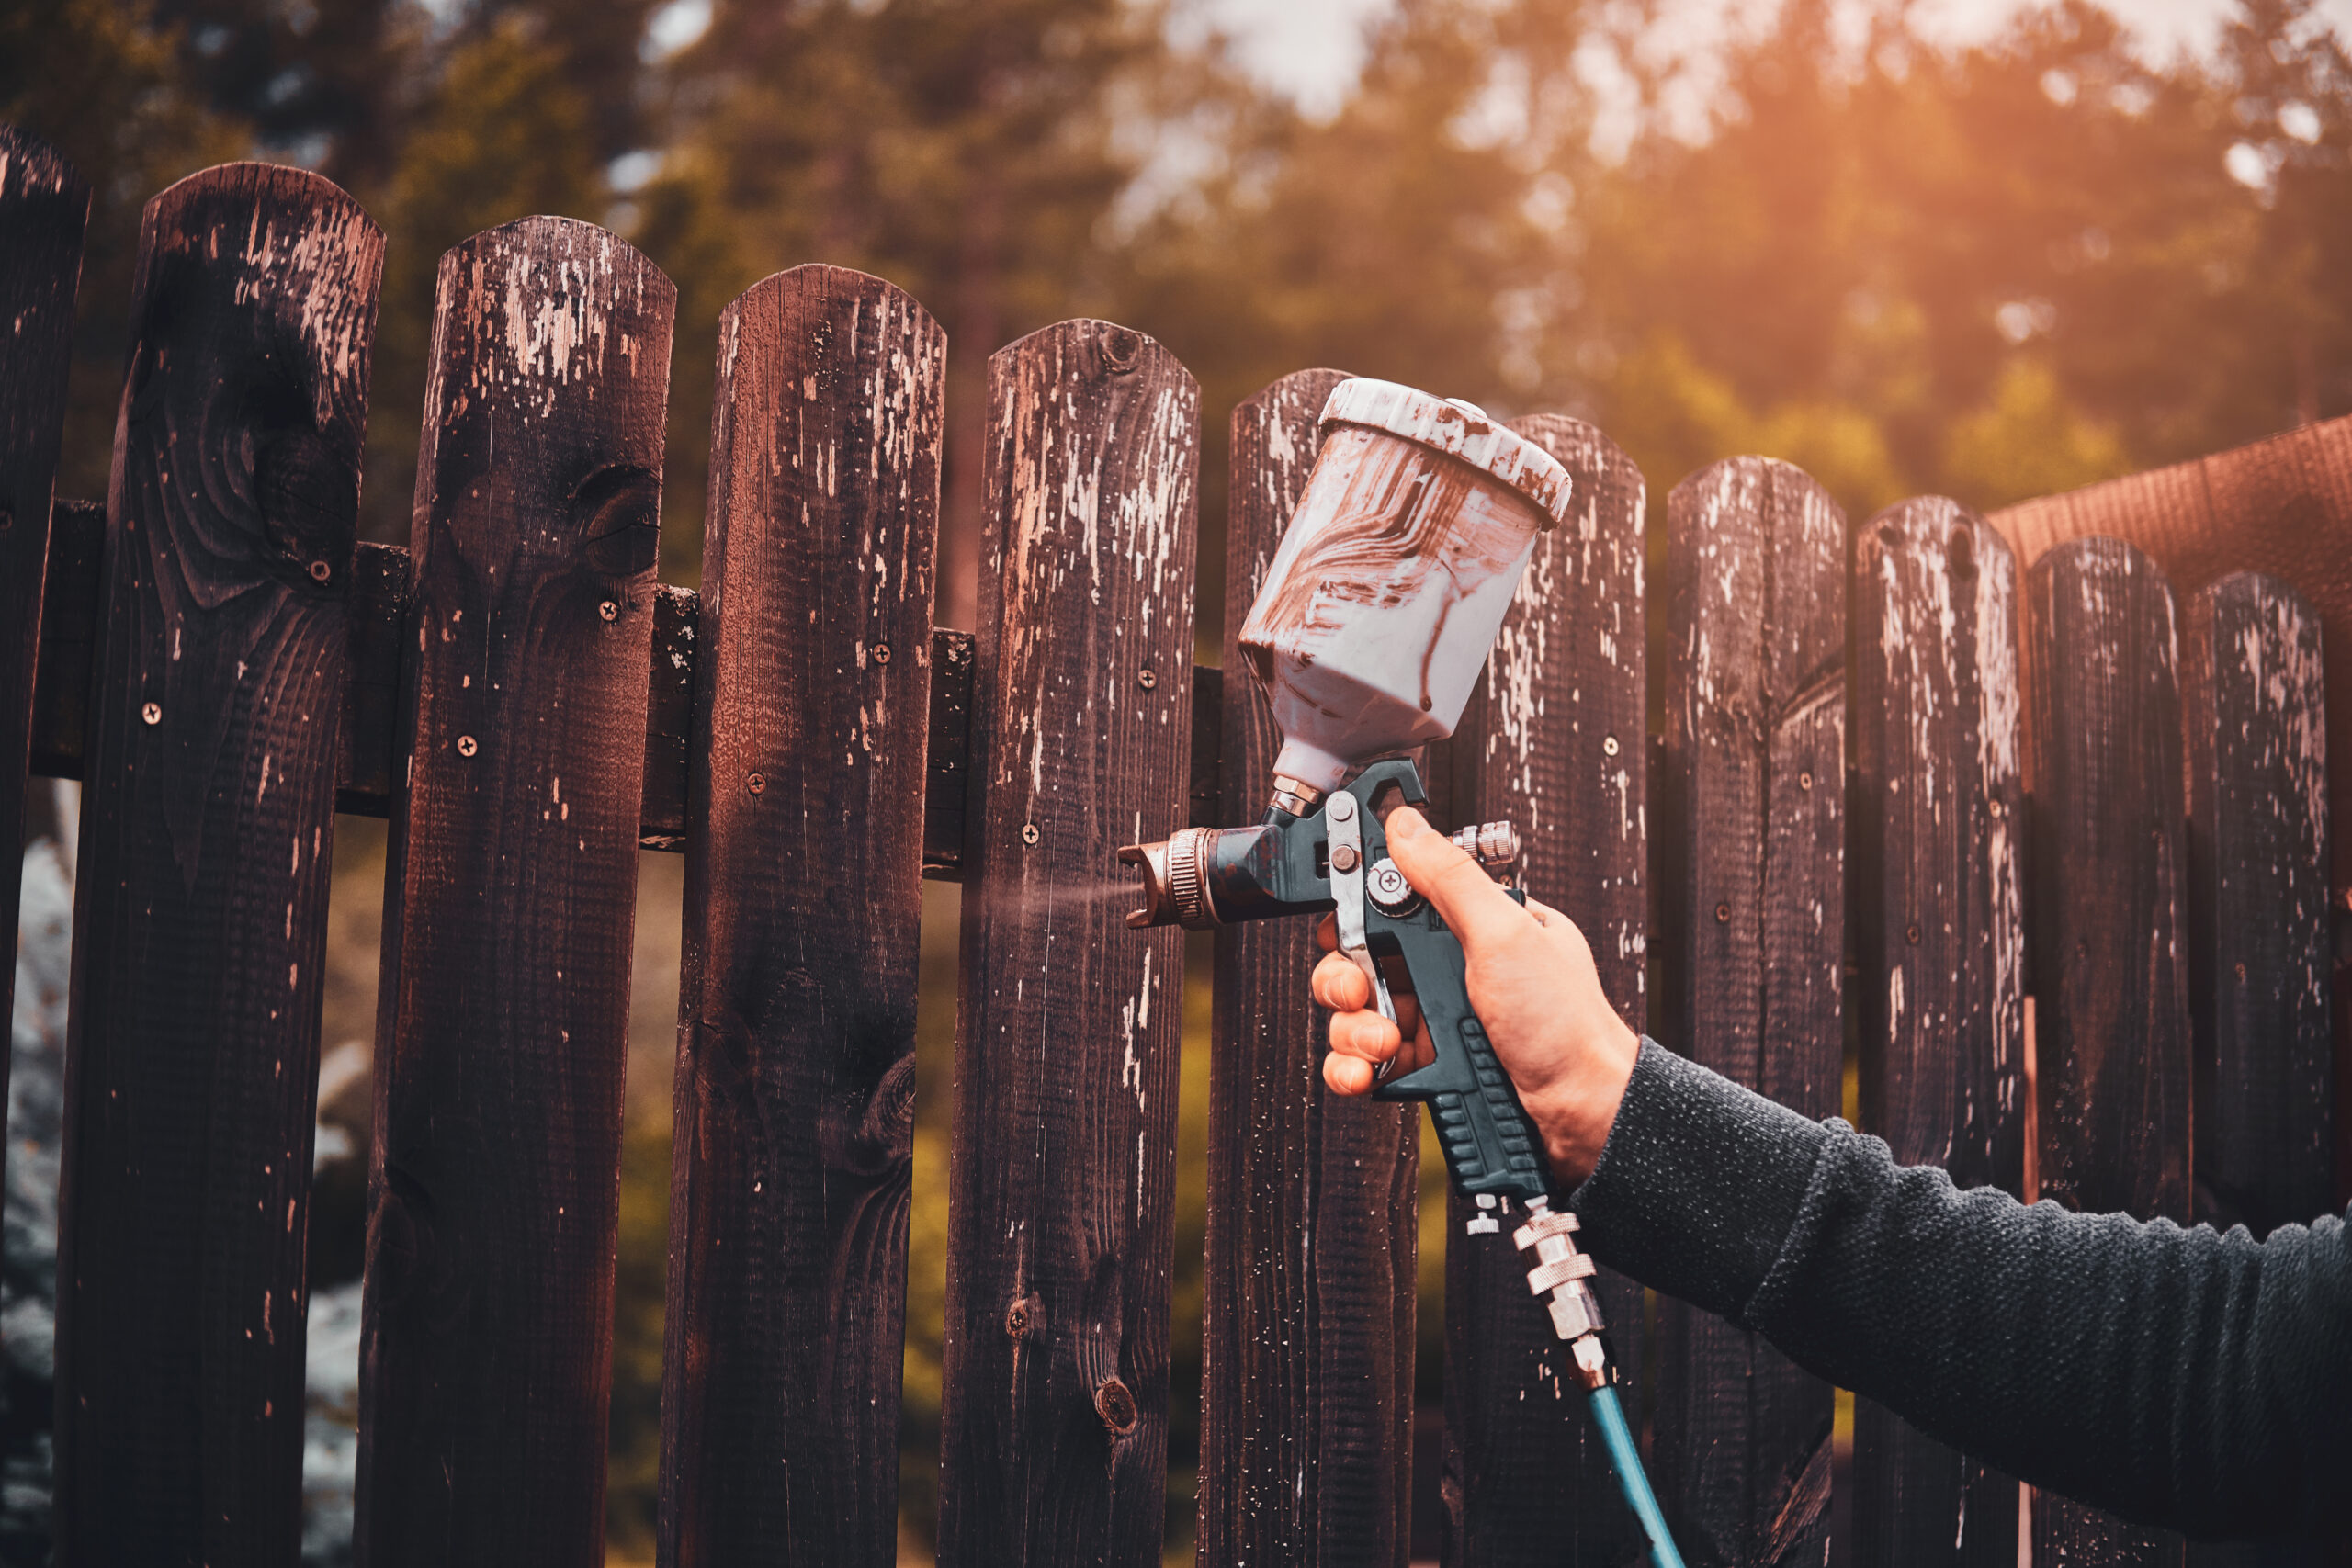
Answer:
(1390, 584)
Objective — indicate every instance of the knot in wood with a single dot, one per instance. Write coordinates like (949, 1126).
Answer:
(1016, 1319)
(1121, 346)
(1116, 1406)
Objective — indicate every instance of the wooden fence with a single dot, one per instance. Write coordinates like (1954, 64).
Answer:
(2085, 818)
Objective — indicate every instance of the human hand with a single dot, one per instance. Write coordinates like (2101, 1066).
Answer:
(1532, 983)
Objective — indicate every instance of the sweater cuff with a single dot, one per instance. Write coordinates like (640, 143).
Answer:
(1698, 1183)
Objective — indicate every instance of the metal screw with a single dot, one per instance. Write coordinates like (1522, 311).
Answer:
(1148, 679)
(1998, 809)
(466, 746)
(1805, 779)
(1029, 834)
(153, 713)
(1911, 935)
(1609, 746)
(1723, 914)
(321, 571)
(609, 610)
(1344, 859)
(881, 653)
(1342, 806)
(756, 782)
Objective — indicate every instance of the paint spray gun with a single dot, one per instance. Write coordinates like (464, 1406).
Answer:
(1372, 627)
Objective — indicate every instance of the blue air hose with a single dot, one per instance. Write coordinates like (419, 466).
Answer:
(1610, 1417)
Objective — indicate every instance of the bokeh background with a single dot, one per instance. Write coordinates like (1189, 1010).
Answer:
(1981, 247)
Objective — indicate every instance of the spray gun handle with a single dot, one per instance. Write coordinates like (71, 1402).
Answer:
(1490, 1143)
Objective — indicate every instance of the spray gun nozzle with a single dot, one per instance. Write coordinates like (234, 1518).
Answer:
(1175, 880)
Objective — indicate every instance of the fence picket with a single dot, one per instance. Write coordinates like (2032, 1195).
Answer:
(1554, 739)
(1306, 1384)
(2109, 954)
(1054, 1424)
(1941, 934)
(1752, 895)
(199, 925)
(795, 1104)
(44, 207)
(2260, 958)
(509, 899)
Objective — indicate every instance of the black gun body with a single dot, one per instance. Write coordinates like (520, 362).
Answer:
(1282, 866)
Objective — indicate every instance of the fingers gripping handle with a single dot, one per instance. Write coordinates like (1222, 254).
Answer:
(1490, 1143)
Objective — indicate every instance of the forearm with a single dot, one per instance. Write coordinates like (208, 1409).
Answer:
(2175, 1376)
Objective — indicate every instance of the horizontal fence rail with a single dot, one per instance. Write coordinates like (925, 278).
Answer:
(2084, 846)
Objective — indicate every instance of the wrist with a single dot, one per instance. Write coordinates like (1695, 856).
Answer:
(1575, 1111)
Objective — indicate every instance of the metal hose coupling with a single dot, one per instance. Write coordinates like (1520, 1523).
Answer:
(1564, 1274)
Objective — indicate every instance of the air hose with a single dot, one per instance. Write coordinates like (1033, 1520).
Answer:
(1562, 1273)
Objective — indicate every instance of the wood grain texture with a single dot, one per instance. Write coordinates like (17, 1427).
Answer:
(1306, 1386)
(509, 897)
(1553, 740)
(200, 920)
(2260, 954)
(1939, 905)
(69, 630)
(2109, 941)
(2281, 506)
(1054, 1426)
(1752, 898)
(795, 1103)
(44, 208)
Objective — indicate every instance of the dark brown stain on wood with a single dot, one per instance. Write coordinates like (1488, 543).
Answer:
(1307, 1388)
(795, 1103)
(1065, 1059)
(509, 899)
(199, 925)
(44, 207)
(1752, 898)
(1938, 903)
(2110, 946)
(1553, 740)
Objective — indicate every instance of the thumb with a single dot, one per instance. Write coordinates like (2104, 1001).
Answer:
(1473, 903)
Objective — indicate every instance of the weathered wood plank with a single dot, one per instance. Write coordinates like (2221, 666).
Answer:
(2260, 957)
(1941, 935)
(44, 208)
(1307, 1383)
(1752, 898)
(1054, 1418)
(509, 897)
(795, 1103)
(1553, 740)
(2110, 949)
(200, 920)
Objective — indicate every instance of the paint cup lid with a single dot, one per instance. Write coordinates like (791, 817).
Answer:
(1457, 429)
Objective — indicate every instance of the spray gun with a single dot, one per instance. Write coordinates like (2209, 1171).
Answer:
(1371, 629)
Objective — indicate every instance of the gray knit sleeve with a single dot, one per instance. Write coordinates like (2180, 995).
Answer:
(2176, 1377)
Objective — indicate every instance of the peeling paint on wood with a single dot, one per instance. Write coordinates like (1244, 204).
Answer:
(1068, 1031)
(794, 1101)
(1752, 893)
(1553, 740)
(200, 923)
(1940, 936)
(509, 899)
(1306, 1385)
(2109, 942)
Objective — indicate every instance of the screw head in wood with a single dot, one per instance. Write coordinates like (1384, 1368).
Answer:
(1609, 746)
(1148, 679)
(756, 782)
(1116, 1406)
(1911, 935)
(1998, 809)
(881, 653)
(609, 610)
(1029, 834)
(151, 711)
(1805, 779)
(321, 571)
(1723, 914)
(466, 746)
